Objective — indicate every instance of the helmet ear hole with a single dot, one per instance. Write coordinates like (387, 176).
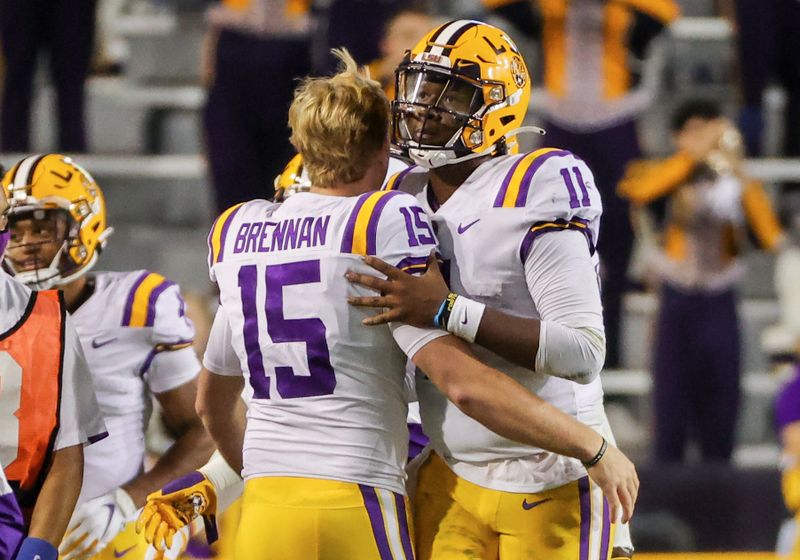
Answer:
(507, 119)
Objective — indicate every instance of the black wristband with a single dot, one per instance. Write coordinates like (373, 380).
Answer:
(596, 459)
(443, 316)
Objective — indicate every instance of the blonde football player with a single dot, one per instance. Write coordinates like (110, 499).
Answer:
(136, 340)
(518, 235)
(325, 442)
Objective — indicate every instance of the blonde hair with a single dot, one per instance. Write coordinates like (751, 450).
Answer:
(339, 123)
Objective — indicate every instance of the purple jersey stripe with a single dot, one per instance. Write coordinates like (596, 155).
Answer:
(501, 195)
(527, 179)
(559, 225)
(151, 302)
(606, 530)
(350, 227)
(402, 517)
(126, 316)
(398, 179)
(148, 361)
(98, 437)
(12, 526)
(222, 235)
(413, 265)
(376, 520)
(372, 225)
(586, 516)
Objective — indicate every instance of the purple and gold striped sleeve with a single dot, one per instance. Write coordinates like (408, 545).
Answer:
(541, 228)
(218, 233)
(396, 180)
(140, 307)
(361, 232)
(516, 184)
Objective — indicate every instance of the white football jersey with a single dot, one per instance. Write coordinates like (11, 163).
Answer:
(485, 232)
(328, 394)
(137, 341)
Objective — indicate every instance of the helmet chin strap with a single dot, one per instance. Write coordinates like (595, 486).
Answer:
(431, 159)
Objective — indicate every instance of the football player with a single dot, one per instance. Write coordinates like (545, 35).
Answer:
(136, 338)
(48, 412)
(325, 442)
(518, 235)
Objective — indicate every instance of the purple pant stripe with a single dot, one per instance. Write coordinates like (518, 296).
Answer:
(586, 516)
(376, 520)
(405, 534)
(606, 530)
(126, 316)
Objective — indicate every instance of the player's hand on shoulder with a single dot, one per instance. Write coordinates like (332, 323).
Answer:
(95, 523)
(616, 476)
(405, 298)
(174, 507)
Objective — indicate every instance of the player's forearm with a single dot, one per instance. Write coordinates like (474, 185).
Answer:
(514, 338)
(191, 449)
(503, 405)
(58, 496)
(223, 413)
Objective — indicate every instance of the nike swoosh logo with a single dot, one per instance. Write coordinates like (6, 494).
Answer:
(464, 320)
(526, 505)
(121, 553)
(462, 229)
(97, 343)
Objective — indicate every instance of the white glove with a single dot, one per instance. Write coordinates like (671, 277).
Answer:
(179, 543)
(95, 523)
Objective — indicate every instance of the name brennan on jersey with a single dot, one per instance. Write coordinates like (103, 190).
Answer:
(271, 236)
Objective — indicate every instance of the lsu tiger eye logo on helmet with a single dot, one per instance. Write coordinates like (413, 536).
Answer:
(519, 72)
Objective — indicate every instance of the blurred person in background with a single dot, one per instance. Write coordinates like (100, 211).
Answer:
(48, 412)
(65, 29)
(593, 52)
(712, 206)
(254, 51)
(401, 33)
(357, 25)
(136, 339)
(768, 43)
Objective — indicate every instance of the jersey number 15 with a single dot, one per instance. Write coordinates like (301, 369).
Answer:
(322, 379)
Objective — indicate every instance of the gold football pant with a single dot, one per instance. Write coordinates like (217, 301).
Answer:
(286, 518)
(457, 520)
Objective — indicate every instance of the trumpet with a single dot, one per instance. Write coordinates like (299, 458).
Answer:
(728, 154)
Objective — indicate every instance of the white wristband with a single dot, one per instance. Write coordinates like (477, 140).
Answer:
(465, 318)
(226, 481)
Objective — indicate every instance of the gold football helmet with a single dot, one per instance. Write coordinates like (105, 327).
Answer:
(461, 92)
(292, 180)
(53, 189)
